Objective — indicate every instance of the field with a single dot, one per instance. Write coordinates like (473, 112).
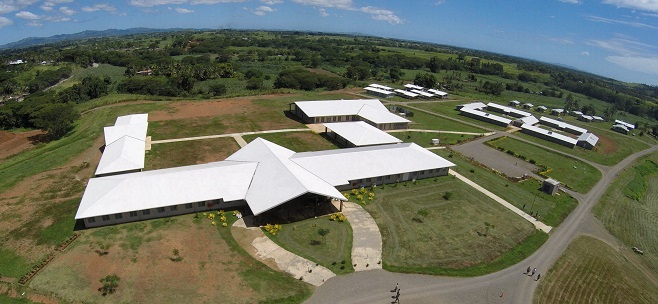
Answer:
(465, 235)
(296, 141)
(430, 122)
(213, 267)
(193, 152)
(590, 271)
(448, 109)
(524, 195)
(424, 139)
(577, 174)
(332, 251)
(629, 208)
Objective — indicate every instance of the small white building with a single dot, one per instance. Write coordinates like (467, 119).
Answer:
(515, 103)
(629, 126)
(441, 94)
(371, 111)
(358, 134)
(125, 146)
(378, 92)
(621, 129)
(557, 112)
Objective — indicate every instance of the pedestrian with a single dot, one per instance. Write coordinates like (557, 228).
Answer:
(397, 285)
(538, 277)
(527, 270)
(533, 271)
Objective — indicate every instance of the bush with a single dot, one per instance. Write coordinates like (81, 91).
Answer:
(532, 161)
(510, 152)
(110, 284)
(447, 195)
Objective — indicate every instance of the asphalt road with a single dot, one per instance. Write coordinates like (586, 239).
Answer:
(510, 285)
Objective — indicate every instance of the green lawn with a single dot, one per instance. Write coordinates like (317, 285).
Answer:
(425, 121)
(333, 251)
(296, 141)
(629, 208)
(467, 234)
(176, 154)
(590, 271)
(424, 139)
(448, 109)
(577, 174)
(524, 195)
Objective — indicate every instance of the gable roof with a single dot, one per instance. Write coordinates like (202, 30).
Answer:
(320, 108)
(360, 133)
(277, 179)
(125, 145)
(376, 115)
(338, 167)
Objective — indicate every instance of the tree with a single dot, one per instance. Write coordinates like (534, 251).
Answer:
(56, 119)
(255, 83)
(217, 89)
(395, 74)
(425, 80)
(434, 64)
(110, 284)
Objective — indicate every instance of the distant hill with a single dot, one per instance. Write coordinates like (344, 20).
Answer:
(34, 41)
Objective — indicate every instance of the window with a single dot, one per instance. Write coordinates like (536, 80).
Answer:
(106, 217)
(368, 180)
(146, 212)
(118, 216)
(201, 204)
(161, 209)
(188, 206)
(91, 220)
(379, 178)
(133, 213)
(173, 208)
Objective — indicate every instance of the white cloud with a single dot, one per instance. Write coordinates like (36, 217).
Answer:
(7, 8)
(439, 2)
(647, 5)
(262, 10)
(572, 1)
(630, 53)
(57, 19)
(323, 12)
(5, 22)
(50, 4)
(99, 7)
(151, 3)
(271, 2)
(623, 22)
(35, 23)
(377, 13)
(27, 15)
(584, 53)
(66, 11)
(648, 65)
(183, 10)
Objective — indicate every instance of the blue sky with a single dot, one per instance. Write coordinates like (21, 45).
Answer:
(613, 38)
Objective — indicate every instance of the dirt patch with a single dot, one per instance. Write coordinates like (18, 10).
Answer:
(606, 145)
(14, 143)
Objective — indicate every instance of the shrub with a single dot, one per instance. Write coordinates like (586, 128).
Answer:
(510, 152)
(447, 195)
(532, 161)
(110, 284)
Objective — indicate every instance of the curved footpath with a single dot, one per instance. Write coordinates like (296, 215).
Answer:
(366, 240)
(509, 285)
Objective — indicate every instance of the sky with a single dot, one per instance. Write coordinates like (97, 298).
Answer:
(612, 38)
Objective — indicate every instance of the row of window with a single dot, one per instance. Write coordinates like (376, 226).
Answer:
(399, 176)
(119, 216)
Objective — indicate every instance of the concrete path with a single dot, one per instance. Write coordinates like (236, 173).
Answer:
(287, 261)
(241, 142)
(539, 225)
(226, 135)
(366, 241)
(440, 131)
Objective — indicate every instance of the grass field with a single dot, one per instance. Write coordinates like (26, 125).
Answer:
(333, 251)
(524, 195)
(176, 154)
(448, 109)
(629, 208)
(296, 141)
(578, 175)
(424, 139)
(465, 235)
(590, 271)
(213, 266)
(426, 121)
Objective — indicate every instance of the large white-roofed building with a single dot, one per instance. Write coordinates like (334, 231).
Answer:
(125, 146)
(623, 123)
(549, 135)
(441, 94)
(507, 110)
(371, 111)
(378, 92)
(406, 94)
(358, 134)
(261, 176)
(484, 116)
(560, 125)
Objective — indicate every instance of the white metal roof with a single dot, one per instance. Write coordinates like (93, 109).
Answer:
(508, 110)
(422, 93)
(131, 119)
(124, 154)
(380, 117)
(338, 167)
(598, 118)
(527, 104)
(474, 106)
(413, 86)
(378, 90)
(549, 133)
(562, 125)
(166, 187)
(620, 126)
(577, 113)
(437, 92)
(486, 115)
(589, 137)
(542, 107)
(558, 110)
(406, 93)
(137, 131)
(277, 179)
(516, 102)
(379, 86)
(360, 133)
(320, 108)
(531, 120)
(623, 123)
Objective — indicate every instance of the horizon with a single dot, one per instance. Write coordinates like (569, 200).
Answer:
(610, 38)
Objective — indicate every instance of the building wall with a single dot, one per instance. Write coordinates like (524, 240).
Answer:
(548, 138)
(585, 144)
(134, 216)
(393, 178)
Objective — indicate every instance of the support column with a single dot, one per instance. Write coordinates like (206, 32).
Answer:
(341, 206)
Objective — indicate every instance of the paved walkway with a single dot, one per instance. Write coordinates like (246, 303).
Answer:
(226, 135)
(238, 138)
(366, 241)
(287, 261)
(539, 225)
(440, 131)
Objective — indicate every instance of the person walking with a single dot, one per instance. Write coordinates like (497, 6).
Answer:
(538, 277)
(527, 270)
(533, 271)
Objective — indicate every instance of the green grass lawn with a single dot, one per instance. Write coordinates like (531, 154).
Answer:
(296, 141)
(524, 195)
(590, 271)
(448, 109)
(424, 139)
(577, 174)
(467, 234)
(185, 153)
(333, 251)
(629, 208)
(430, 122)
